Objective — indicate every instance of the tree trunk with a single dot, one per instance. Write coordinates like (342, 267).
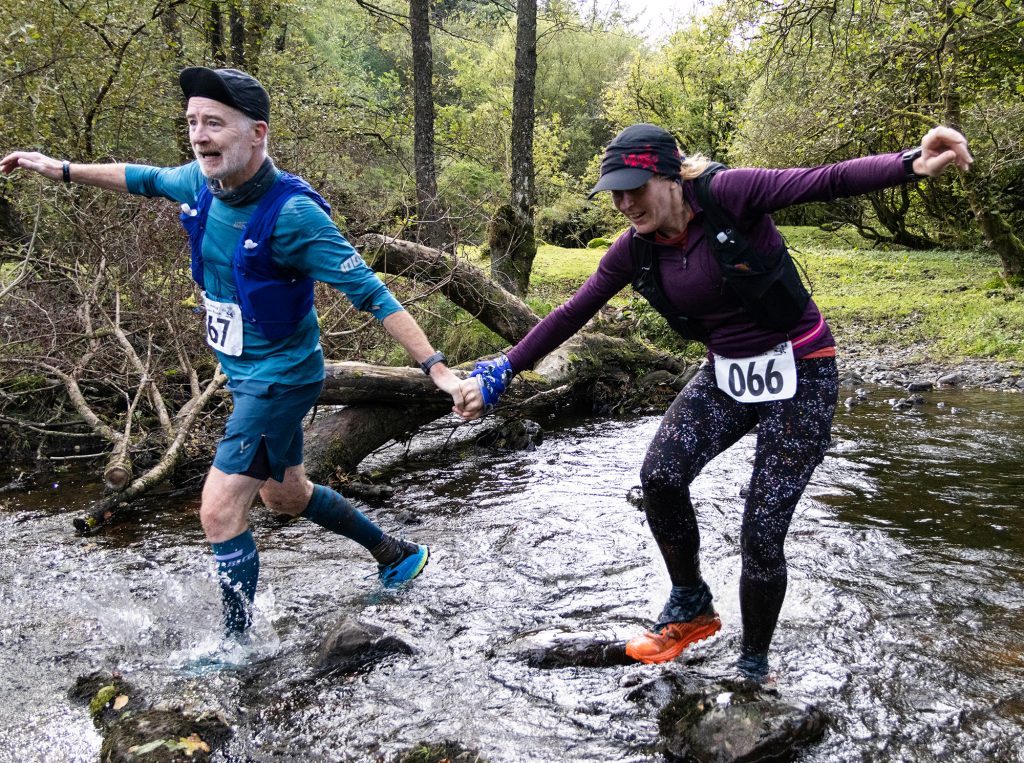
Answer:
(511, 238)
(429, 223)
(173, 40)
(215, 33)
(236, 25)
(11, 227)
(601, 372)
(998, 234)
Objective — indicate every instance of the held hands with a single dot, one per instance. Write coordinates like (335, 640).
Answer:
(32, 160)
(485, 385)
(448, 382)
(940, 147)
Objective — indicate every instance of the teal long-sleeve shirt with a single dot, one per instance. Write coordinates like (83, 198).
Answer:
(305, 240)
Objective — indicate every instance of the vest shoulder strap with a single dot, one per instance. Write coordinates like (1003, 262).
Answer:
(714, 214)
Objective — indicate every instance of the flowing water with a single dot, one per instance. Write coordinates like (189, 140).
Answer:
(904, 616)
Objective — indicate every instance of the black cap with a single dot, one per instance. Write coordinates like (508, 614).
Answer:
(228, 86)
(635, 155)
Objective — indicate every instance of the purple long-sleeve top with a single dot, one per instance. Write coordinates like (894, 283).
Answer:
(690, 276)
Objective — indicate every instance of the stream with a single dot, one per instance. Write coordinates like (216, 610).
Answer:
(903, 620)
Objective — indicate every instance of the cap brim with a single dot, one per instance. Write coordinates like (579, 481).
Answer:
(625, 179)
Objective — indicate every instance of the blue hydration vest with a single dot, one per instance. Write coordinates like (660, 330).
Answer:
(269, 297)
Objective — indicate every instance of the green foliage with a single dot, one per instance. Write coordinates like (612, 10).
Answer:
(571, 221)
(873, 77)
(470, 192)
(694, 86)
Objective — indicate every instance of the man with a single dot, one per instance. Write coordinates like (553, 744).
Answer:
(259, 239)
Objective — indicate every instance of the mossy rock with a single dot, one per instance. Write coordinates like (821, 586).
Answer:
(107, 695)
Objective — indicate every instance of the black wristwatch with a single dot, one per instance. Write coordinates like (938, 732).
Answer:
(908, 157)
(433, 360)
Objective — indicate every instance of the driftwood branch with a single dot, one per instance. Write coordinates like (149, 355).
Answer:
(104, 510)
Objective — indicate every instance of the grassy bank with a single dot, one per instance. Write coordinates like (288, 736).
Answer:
(948, 305)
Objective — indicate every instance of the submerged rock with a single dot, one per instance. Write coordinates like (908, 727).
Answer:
(736, 722)
(515, 434)
(582, 650)
(352, 645)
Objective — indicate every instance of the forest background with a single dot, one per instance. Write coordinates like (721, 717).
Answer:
(475, 127)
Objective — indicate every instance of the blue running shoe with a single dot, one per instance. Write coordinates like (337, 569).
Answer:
(405, 569)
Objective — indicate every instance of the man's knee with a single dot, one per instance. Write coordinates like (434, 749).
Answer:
(225, 504)
(221, 521)
(289, 497)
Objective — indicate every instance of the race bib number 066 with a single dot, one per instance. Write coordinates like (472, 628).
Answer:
(769, 376)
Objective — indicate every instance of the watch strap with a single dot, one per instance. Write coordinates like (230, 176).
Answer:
(908, 157)
(433, 360)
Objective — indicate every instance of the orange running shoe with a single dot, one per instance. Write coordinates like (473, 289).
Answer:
(670, 641)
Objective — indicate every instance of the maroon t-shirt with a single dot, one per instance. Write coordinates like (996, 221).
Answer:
(690, 275)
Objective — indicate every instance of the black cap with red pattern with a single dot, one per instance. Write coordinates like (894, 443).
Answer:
(635, 155)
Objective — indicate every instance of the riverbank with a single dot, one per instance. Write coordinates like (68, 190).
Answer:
(906, 366)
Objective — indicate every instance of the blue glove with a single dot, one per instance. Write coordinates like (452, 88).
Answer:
(494, 376)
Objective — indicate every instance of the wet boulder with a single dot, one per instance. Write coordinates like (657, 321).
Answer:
(919, 386)
(107, 694)
(734, 722)
(352, 645)
(163, 736)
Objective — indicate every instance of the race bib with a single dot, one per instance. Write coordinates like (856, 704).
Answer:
(223, 326)
(769, 376)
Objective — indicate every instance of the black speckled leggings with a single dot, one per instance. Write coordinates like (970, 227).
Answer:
(792, 437)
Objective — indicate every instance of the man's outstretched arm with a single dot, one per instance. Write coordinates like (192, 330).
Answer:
(108, 176)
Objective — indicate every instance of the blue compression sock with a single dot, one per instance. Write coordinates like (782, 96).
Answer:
(331, 511)
(238, 569)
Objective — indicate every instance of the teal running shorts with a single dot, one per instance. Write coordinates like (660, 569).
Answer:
(263, 434)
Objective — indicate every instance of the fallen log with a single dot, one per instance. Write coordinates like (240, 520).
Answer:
(467, 286)
(385, 404)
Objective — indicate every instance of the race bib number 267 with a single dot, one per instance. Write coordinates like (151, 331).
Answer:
(757, 379)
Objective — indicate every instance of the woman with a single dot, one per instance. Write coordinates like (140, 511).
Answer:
(704, 251)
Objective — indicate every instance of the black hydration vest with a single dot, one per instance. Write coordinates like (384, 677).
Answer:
(768, 285)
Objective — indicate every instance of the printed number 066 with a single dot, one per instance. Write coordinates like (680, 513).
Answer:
(753, 382)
